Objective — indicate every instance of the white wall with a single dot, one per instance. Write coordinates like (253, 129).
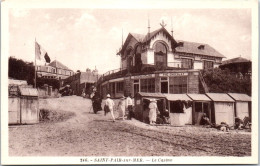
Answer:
(150, 57)
(198, 65)
(216, 65)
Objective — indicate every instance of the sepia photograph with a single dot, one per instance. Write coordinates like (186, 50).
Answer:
(129, 82)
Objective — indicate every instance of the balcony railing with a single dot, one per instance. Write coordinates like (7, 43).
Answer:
(144, 69)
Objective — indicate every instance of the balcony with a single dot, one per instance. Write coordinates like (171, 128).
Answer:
(143, 69)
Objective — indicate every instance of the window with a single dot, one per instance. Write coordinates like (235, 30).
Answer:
(148, 85)
(178, 85)
(160, 54)
(119, 87)
(187, 63)
(176, 107)
(208, 65)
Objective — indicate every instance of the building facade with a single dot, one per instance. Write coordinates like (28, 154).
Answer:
(54, 70)
(82, 81)
(156, 62)
(239, 66)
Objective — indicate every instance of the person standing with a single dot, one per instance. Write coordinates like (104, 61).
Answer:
(153, 111)
(121, 107)
(110, 105)
(129, 106)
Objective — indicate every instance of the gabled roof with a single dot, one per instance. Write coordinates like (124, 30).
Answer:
(138, 37)
(235, 60)
(59, 65)
(193, 48)
(146, 38)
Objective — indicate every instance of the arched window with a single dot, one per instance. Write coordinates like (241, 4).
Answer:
(160, 54)
(138, 59)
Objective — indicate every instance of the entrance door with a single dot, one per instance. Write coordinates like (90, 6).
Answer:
(164, 87)
(136, 88)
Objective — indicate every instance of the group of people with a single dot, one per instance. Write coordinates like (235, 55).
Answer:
(125, 103)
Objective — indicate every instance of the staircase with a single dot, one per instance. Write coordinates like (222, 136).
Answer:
(206, 89)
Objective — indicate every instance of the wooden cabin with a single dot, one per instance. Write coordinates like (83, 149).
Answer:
(201, 105)
(223, 108)
(142, 101)
(180, 109)
(242, 105)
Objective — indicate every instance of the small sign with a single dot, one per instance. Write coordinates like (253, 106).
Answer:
(144, 76)
(172, 74)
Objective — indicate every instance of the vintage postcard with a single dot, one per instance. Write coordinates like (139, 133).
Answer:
(129, 82)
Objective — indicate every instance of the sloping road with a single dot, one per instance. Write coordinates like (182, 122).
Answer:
(88, 134)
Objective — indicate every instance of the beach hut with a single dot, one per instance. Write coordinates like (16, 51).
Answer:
(180, 111)
(29, 105)
(142, 101)
(201, 105)
(242, 105)
(223, 108)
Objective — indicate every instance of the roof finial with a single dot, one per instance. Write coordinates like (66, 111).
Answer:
(171, 27)
(163, 24)
(122, 38)
(148, 26)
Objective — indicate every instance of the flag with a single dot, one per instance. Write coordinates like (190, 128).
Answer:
(40, 53)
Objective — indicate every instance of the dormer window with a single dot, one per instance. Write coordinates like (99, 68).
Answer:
(201, 47)
(180, 44)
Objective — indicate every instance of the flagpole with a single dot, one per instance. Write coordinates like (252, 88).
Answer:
(35, 65)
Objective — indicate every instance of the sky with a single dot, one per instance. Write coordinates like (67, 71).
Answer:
(89, 38)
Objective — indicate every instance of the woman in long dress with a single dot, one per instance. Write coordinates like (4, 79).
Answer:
(121, 108)
(153, 111)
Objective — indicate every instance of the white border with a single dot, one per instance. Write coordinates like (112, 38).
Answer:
(116, 4)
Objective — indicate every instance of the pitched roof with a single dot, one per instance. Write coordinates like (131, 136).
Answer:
(199, 97)
(138, 37)
(240, 96)
(235, 60)
(145, 38)
(175, 97)
(193, 48)
(221, 97)
(59, 65)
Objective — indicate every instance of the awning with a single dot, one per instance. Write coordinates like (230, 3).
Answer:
(150, 98)
(199, 97)
(240, 97)
(144, 94)
(220, 97)
(174, 97)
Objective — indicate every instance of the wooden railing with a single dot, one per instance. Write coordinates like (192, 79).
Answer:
(144, 68)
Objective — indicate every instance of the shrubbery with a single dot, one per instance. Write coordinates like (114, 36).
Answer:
(223, 81)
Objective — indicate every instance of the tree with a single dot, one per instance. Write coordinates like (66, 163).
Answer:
(21, 70)
(223, 81)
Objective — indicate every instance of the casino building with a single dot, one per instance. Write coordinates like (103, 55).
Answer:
(157, 62)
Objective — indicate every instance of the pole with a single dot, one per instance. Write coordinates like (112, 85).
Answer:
(35, 64)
